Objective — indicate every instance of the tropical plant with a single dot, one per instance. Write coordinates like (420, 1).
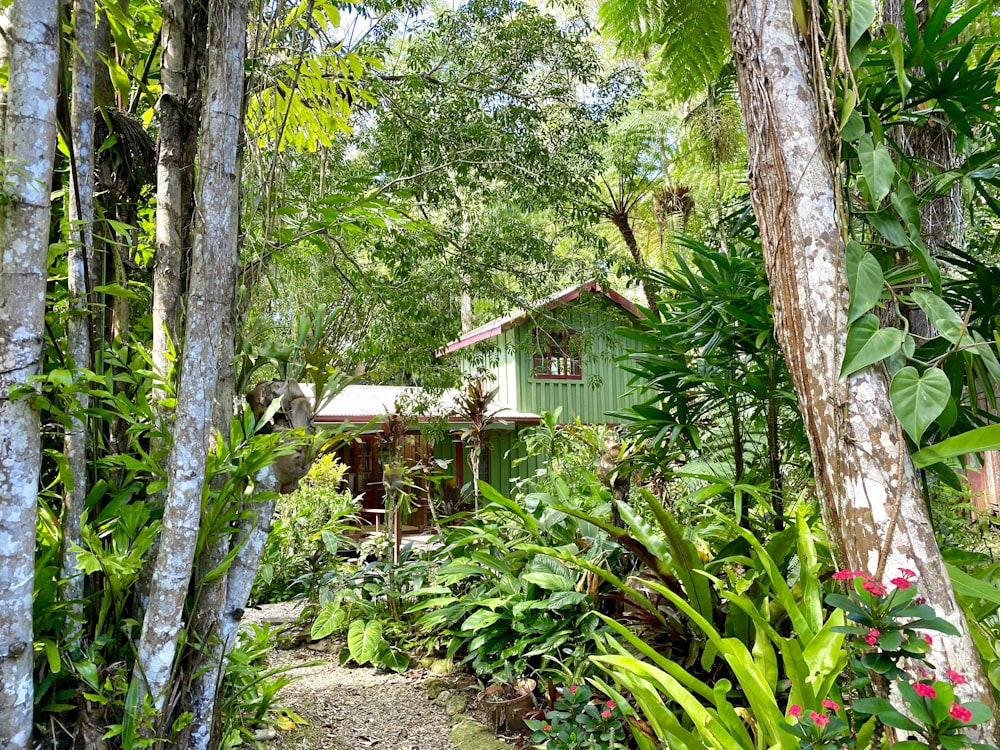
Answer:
(579, 720)
(310, 528)
(501, 579)
(719, 389)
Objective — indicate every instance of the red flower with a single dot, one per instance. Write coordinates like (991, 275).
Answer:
(546, 727)
(955, 677)
(918, 600)
(847, 575)
(832, 705)
(573, 689)
(605, 714)
(874, 588)
(959, 712)
(927, 637)
(924, 690)
(795, 710)
(900, 583)
(907, 572)
(610, 704)
(820, 720)
(872, 636)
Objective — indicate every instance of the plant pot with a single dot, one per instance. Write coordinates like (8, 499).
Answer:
(507, 703)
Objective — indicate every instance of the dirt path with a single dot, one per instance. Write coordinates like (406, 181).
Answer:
(362, 708)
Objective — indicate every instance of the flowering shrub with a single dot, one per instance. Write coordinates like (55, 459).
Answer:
(578, 722)
(891, 620)
(887, 626)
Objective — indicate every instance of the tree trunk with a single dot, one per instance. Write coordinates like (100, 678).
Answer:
(624, 226)
(875, 514)
(28, 149)
(171, 231)
(79, 262)
(210, 299)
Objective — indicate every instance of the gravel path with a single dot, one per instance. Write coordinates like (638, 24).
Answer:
(355, 708)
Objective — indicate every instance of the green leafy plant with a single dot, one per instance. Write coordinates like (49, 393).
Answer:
(311, 527)
(579, 720)
(885, 639)
(251, 688)
(501, 582)
(887, 618)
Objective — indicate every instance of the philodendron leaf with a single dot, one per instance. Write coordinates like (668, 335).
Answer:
(868, 343)
(862, 15)
(865, 281)
(939, 313)
(364, 640)
(919, 399)
(877, 167)
(330, 618)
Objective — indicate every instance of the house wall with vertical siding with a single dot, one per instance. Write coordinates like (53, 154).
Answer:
(603, 389)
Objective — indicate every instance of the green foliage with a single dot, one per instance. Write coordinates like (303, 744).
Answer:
(683, 711)
(310, 527)
(690, 40)
(924, 75)
(302, 100)
(250, 695)
(501, 579)
(720, 395)
(579, 720)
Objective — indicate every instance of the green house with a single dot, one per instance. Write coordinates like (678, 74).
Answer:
(560, 354)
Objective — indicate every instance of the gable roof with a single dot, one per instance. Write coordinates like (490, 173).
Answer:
(499, 325)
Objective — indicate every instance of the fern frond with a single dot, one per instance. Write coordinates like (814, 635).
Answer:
(689, 38)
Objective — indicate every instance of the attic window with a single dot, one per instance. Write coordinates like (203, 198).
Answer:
(557, 355)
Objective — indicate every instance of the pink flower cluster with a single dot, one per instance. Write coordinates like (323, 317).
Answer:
(606, 713)
(955, 677)
(959, 712)
(819, 719)
(872, 586)
(924, 690)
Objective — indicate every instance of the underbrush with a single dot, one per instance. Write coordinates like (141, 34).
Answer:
(310, 530)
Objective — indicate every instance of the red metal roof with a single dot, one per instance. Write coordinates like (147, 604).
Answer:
(497, 326)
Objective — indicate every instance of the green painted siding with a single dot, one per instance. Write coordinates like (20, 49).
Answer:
(603, 387)
(502, 472)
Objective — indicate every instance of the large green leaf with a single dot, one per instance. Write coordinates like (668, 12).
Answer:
(945, 320)
(394, 659)
(868, 343)
(364, 640)
(919, 399)
(966, 585)
(864, 279)
(549, 581)
(974, 441)
(862, 15)
(877, 167)
(480, 619)
(330, 618)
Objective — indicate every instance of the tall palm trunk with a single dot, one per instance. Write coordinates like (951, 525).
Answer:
(875, 513)
(27, 147)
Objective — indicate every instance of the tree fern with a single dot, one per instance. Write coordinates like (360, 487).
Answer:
(689, 39)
